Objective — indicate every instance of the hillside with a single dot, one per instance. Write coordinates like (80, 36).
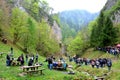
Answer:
(76, 19)
(73, 21)
(16, 72)
(29, 26)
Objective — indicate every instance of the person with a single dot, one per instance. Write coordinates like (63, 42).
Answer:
(59, 63)
(8, 61)
(33, 58)
(97, 63)
(92, 63)
(30, 63)
(26, 56)
(11, 51)
(109, 64)
(50, 63)
(36, 57)
(22, 59)
(64, 64)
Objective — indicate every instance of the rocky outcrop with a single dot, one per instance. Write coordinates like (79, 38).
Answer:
(115, 15)
(18, 3)
(116, 19)
(56, 31)
(109, 4)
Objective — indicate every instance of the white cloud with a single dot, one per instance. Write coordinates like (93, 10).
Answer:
(89, 5)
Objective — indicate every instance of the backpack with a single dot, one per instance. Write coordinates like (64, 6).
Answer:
(109, 64)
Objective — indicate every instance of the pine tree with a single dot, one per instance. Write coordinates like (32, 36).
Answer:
(109, 33)
(103, 34)
(97, 30)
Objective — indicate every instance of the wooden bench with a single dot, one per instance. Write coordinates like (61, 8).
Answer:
(35, 71)
(27, 68)
(99, 78)
(59, 68)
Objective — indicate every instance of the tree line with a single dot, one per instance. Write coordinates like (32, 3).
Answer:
(28, 29)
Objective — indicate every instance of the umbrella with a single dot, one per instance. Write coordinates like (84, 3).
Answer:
(118, 45)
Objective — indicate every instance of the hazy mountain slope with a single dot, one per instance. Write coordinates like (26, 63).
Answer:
(77, 19)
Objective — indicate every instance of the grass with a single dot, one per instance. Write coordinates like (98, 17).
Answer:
(90, 53)
(13, 72)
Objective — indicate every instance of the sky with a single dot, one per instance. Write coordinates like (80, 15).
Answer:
(92, 6)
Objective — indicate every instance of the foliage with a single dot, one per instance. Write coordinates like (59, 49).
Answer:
(46, 44)
(71, 22)
(80, 43)
(112, 10)
(29, 37)
(29, 30)
(4, 18)
(17, 24)
(82, 40)
(38, 9)
(118, 33)
(103, 33)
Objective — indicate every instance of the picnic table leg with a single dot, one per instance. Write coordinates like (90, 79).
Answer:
(23, 69)
(41, 72)
(36, 67)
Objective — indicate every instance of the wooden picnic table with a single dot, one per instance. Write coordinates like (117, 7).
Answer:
(26, 68)
(33, 69)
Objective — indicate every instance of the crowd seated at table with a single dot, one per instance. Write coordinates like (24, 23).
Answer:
(54, 64)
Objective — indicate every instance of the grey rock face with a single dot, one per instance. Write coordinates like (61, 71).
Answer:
(57, 32)
(116, 19)
(109, 4)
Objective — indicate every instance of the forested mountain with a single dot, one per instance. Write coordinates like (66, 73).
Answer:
(73, 21)
(77, 19)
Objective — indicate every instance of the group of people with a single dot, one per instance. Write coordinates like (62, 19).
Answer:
(112, 50)
(30, 60)
(98, 63)
(33, 59)
(56, 64)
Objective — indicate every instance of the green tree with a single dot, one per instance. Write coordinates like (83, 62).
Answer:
(75, 47)
(109, 34)
(103, 33)
(29, 37)
(46, 44)
(18, 21)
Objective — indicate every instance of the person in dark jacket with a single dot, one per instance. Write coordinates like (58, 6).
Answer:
(22, 60)
(50, 63)
(8, 61)
(109, 64)
(36, 57)
(26, 56)
(30, 63)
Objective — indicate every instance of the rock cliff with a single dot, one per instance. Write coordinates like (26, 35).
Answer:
(112, 8)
